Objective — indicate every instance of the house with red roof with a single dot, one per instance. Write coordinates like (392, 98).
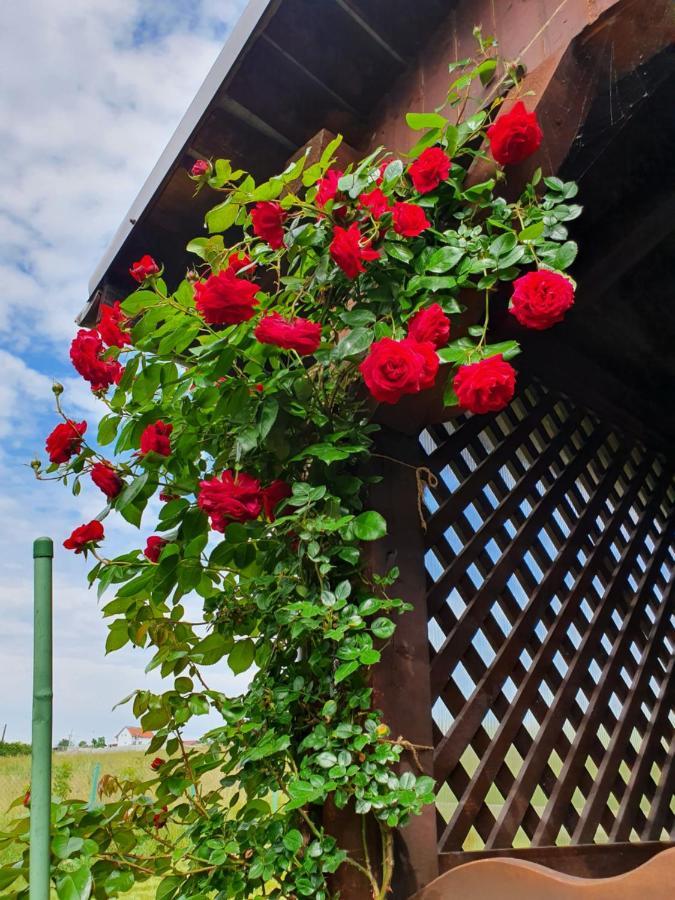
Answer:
(132, 736)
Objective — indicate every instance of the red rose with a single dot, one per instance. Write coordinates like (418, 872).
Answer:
(429, 362)
(485, 386)
(394, 368)
(349, 252)
(155, 439)
(328, 187)
(109, 326)
(201, 167)
(167, 498)
(514, 136)
(268, 219)
(234, 497)
(272, 495)
(85, 535)
(409, 219)
(159, 819)
(157, 763)
(107, 479)
(224, 299)
(85, 353)
(430, 324)
(540, 299)
(238, 261)
(153, 547)
(65, 441)
(144, 268)
(429, 169)
(291, 334)
(375, 202)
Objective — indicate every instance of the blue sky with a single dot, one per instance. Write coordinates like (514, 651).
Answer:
(91, 92)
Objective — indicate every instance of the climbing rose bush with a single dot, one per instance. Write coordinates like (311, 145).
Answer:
(241, 413)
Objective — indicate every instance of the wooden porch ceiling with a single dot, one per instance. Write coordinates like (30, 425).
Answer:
(286, 72)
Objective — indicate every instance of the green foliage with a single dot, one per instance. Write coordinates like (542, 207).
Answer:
(14, 748)
(286, 599)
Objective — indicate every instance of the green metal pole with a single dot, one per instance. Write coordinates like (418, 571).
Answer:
(41, 761)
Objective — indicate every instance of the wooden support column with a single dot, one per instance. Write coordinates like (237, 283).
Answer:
(401, 680)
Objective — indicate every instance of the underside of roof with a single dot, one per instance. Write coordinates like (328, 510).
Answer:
(293, 67)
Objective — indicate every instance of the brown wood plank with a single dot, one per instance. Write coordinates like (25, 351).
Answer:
(586, 861)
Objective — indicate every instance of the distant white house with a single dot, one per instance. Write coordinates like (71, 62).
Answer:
(130, 736)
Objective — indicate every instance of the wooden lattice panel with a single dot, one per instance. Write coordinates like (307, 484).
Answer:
(551, 629)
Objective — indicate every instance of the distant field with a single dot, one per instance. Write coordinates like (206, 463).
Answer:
(75, 772)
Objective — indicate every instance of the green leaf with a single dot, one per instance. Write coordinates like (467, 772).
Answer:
(241, 656)
(565, 255)
(64, 846)
(532, 232)
(301, 793)
(369, 526)
(383, 628)
(354, 343)
(486, 71)
(398, 251)
(139, 301)
(345, 670)
(107, 429)
(503, 245)
(292, 840)
(444, 258)
(420, 121)
(326, 759)
(131, 491)
(222, 217)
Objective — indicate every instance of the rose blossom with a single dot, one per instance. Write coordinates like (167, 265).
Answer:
(157, 763)
(272, 495)
(485, 386)
(409, 219)
(429, 169)
(81, 537)
(348, 252)
(201, 167)
(375, 202)
(268, 218)
(234, 497)
(109, 325)
(65, 441)
(394, 368)
(224, 299)
(85, 352)
(328, 187)
(238, 261)
(144, 268)
(153, 547)
(106, 478)
(514, 136)
(541, 299)
(291, 334)
(430, 324)
(155, 439)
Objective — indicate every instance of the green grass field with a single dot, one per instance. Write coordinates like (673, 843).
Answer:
(72, 774)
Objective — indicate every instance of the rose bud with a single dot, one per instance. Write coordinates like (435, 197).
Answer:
(201, 167)
(157, 763)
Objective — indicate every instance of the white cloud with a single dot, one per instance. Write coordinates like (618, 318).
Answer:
(92, 91)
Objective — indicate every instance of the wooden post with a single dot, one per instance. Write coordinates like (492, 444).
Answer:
(401, 679)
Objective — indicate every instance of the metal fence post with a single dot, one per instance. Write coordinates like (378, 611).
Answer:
(41, 754)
